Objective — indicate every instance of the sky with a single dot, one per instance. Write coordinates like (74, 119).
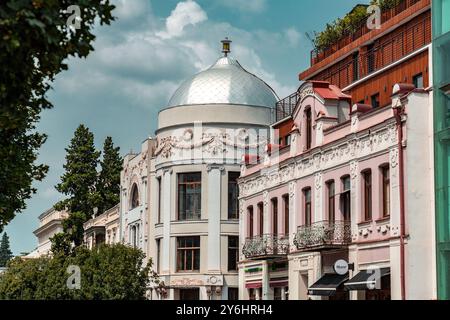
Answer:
(142, 57)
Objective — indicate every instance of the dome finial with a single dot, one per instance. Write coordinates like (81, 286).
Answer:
(226, 46)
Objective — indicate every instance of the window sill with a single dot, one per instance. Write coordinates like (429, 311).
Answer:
(383, 220)
(194, 272)
(365, 223)
(188, 221)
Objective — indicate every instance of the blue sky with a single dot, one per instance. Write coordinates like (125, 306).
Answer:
(142, 58)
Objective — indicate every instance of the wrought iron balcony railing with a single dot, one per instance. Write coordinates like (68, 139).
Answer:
(322, 234)
(266, 245)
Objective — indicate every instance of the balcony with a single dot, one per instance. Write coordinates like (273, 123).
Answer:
(265, 246)
(350, 36)
(382, 55)
(285, 107)
(324, 234)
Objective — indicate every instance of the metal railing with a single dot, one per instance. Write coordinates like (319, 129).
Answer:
(324, 233)
(380, 56)
(285, 107)
(266, 245)
(351, 35)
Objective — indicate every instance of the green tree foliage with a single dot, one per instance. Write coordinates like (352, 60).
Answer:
(350, 23)
(5, 251)
(108, 185)
(107, 273)
(35, 41)
(78, 183)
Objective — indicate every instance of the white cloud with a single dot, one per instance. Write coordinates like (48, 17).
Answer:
(255, 6)
(185, 14)
(293, 36)
(127, 10)
(146, 63)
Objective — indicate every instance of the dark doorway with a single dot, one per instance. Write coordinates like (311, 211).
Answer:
(189, 294)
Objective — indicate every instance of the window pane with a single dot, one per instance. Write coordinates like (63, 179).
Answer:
(189, 196)
(196, 259)
(233, 195)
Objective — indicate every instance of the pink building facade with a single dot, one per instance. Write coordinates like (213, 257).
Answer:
(346, 187)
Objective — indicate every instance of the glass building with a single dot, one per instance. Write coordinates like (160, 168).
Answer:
(441, 89)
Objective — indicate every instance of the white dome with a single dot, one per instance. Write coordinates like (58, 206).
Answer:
(226, 82)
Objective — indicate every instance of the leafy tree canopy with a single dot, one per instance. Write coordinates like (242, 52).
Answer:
(106, 273)
(35, 42)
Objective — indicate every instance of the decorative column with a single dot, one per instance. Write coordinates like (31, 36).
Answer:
(354, 196)
(395, 225)
(266, 213)
(214, 213)
(293, 214)
(318, 198)
(354, 207)
(166, 210)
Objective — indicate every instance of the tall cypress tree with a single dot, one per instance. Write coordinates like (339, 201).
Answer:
(78, 183)
(5, 251)
(108, 186)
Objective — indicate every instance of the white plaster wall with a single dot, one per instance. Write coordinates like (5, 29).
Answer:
(419, 198)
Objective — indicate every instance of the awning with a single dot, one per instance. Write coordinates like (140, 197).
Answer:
(279, 283)
(327, 285)
(253, 285)
(366, 280)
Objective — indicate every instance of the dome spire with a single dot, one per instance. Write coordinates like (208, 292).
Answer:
(226, 46)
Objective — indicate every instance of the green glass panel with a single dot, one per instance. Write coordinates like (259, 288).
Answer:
(441, 108)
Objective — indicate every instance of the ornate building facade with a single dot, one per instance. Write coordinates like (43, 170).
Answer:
(50, 223)
(179, 200)
(342, 191)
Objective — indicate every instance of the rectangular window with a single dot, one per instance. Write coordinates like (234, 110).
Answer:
(233, 195)
(356, 66)
(250, 222)
(261, 218)
(287, 140)
(233, 253)
(277, 294)
(233, 294)
(331, 201)
(375, 100)
(367, 180)
(159, 200)
(189, 196)
(345, 198)
(274, 216)
(286, 214)
(370, 58)
(189, 294)
(188, 254)
(418, 80)
(307, 206)
(386, 191)
(308, 117)
(158, 255)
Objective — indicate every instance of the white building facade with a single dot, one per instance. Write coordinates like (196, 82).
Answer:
(179, 199)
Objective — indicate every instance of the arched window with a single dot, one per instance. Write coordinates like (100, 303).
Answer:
(134, 197)
(308, 119)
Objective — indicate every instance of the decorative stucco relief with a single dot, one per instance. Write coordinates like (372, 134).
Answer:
(349, 151)
(211, 143)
